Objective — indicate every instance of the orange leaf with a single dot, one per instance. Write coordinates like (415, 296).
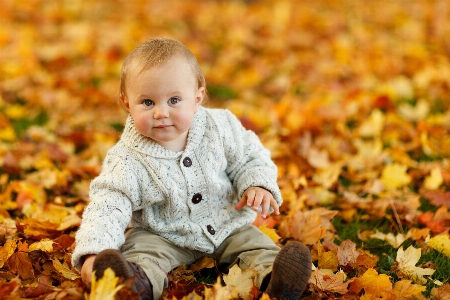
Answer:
(332, 284)
(404, 290)
(8, 288)
(372, 283)
(21, 263)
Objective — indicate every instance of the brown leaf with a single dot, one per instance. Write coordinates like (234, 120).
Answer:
(21, 263)
(441, 293)
(438, 198)
(44, 287)
(8, 288)
(347, 253)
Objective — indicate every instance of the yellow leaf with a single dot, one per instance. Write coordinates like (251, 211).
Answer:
(6, 251)
(414, 113)
(372, 283)
(45, 245)
(373, 126)
(240, 283)
(440, 243)
(7, 134)
(65, 270)
(404, 290)
(104, 288)
(434, 180)
(270, 232)
(394, 176)
(407, 261)
(327, 259)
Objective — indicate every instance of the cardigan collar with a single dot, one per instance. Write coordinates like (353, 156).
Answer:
(137, 142)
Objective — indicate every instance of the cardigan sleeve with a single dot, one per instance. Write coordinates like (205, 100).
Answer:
(114, 194)
(248, 162)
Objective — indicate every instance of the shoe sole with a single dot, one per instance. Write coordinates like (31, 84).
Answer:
(111, 259)
(291, 272)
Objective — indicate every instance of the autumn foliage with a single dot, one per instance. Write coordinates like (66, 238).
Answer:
(351, 97)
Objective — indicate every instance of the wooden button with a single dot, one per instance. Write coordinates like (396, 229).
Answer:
(197, 198)
(211, 230)
(187, 162)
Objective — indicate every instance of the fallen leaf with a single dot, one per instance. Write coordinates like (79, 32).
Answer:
(331, 284)
(347, 253)
(202, 263)
(6, 251)
(65, 270)
(374, 284)
(407, 261)
(404, 290)
(20, 263)
(327, 259)
(434, 180)
(9, 288)
(440, 243)
(441, 293)
(105, 288)
(270, 232)
(241, 284)
(395, 176)
(45, 245)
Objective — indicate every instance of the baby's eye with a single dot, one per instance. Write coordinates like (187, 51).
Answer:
(174, 100)
(148, 102)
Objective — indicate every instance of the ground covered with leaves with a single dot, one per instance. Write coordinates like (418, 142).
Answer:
(351, 97)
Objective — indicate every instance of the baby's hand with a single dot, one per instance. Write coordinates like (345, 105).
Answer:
(86, 270)
(255, 196)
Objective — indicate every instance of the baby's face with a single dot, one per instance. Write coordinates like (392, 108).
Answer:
(163, 100)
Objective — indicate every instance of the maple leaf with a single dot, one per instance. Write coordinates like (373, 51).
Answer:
(65, 270)
(105, 288)
(6, 251)
(21, 263)
(202, 263)
(241, 284)
(404, 290)
(394, 176)
(440, 243)
(434, 180)
(407, 261)
(9, 288)
(327, 259)
(438, 198)
(308, 227)
(347, 253)
(45, 245)
(394, 240)
(374, 284)
(270, 232)
(441, 293)
(332, 284)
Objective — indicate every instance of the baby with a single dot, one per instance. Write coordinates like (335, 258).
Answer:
(187, 180)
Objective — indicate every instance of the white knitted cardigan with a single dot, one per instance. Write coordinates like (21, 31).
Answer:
(186, 197)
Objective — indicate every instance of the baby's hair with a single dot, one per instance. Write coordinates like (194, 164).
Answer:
(155, 52)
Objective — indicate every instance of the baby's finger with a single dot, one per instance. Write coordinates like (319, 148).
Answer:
(257, 201)
(265, 207)
(276, 208)
(241, 203)
(250, 194)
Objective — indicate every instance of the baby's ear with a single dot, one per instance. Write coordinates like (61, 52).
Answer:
(123, 102)
(200, 95)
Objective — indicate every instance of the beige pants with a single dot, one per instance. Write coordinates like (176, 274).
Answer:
(247, 246)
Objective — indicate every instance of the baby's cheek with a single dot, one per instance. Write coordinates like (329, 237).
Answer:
(142, 125)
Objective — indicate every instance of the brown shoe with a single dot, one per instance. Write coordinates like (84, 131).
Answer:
(113, 259)
(291, 272)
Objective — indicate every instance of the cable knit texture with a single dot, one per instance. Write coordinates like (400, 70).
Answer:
(186, 197)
